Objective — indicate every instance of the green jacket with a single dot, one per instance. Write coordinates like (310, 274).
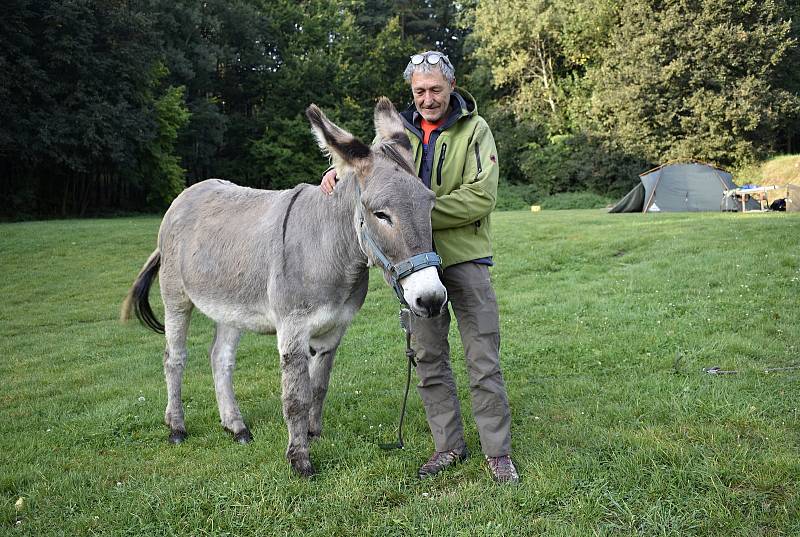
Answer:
(463, 176)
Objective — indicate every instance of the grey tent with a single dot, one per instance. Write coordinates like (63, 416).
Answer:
(690, 186)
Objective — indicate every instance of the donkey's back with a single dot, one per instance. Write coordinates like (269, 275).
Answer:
(253, 258)
(216, 243)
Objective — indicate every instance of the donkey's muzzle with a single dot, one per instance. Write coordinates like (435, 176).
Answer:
(430, 304)
(424, 293)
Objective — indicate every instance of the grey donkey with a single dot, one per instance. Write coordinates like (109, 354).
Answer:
(292, 263)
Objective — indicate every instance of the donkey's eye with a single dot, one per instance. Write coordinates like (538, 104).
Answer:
(380, 215)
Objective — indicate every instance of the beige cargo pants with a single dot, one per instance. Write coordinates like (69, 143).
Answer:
(475, 306)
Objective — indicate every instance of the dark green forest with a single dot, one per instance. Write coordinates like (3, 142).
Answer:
(115, 106)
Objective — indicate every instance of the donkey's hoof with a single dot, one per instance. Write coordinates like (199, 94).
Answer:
(243, 436)
(177, 436)
(303, 468)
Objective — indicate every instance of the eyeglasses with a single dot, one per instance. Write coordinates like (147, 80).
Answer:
(431, 57)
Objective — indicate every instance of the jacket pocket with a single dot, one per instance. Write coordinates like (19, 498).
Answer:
(439, 166)
(478, 158)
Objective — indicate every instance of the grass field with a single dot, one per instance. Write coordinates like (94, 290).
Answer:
(607, 323)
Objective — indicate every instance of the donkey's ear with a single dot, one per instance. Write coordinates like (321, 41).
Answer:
(387, 120)
(389, 128)
(342, 147)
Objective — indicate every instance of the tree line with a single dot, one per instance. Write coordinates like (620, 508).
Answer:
(117, 105)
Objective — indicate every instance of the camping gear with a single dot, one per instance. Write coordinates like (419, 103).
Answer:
(769, 197)
(744, 194)
(680, 187)
(786, 196)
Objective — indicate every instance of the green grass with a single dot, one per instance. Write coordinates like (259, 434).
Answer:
(611, 435)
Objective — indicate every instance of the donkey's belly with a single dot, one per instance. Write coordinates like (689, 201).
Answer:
(317, 323)
(237, 315)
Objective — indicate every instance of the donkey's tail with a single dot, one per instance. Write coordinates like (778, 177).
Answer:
(138, 299)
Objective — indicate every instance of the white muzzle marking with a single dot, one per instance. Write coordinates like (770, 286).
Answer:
(423, 290)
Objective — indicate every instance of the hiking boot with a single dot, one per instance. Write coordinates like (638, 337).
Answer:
(503, 470)
(441, 460)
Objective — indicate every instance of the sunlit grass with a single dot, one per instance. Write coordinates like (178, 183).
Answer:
(607, 322)
(781, 170)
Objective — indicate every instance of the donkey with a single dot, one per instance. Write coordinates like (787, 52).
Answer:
(292, 263)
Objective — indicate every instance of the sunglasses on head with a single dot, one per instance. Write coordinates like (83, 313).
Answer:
(431, 57)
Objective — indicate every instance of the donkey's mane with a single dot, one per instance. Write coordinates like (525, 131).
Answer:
(390, 151)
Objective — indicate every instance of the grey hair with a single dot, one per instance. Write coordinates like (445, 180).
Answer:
(444, 66)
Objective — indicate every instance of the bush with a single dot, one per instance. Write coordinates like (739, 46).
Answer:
(541, 165)
(513, 138)
(518, 197)
(575, 200)
(579, 163)
(511, 197)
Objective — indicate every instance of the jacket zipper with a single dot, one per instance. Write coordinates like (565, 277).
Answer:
(480, 169)
(439, 167)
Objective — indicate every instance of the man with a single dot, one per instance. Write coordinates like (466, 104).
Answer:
(455, 156)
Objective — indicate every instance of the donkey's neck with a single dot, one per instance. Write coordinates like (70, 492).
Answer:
(341, 208)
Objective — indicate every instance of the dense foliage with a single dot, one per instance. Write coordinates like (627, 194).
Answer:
(118, 105)
(607, 88)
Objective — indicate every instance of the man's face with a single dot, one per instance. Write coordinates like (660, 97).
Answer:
(431, 94)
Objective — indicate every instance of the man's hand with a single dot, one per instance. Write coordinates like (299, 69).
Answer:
(328, 182)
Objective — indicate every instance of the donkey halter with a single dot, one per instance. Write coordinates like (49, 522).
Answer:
(396, 271)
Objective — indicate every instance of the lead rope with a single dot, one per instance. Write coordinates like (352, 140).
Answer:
(405, 324)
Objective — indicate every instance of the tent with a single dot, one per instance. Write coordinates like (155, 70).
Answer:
(690, 186)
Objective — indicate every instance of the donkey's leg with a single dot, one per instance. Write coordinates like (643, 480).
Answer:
(176, 327)
(320, 365)
(223, 362)
(320, 373)
(296, 388)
